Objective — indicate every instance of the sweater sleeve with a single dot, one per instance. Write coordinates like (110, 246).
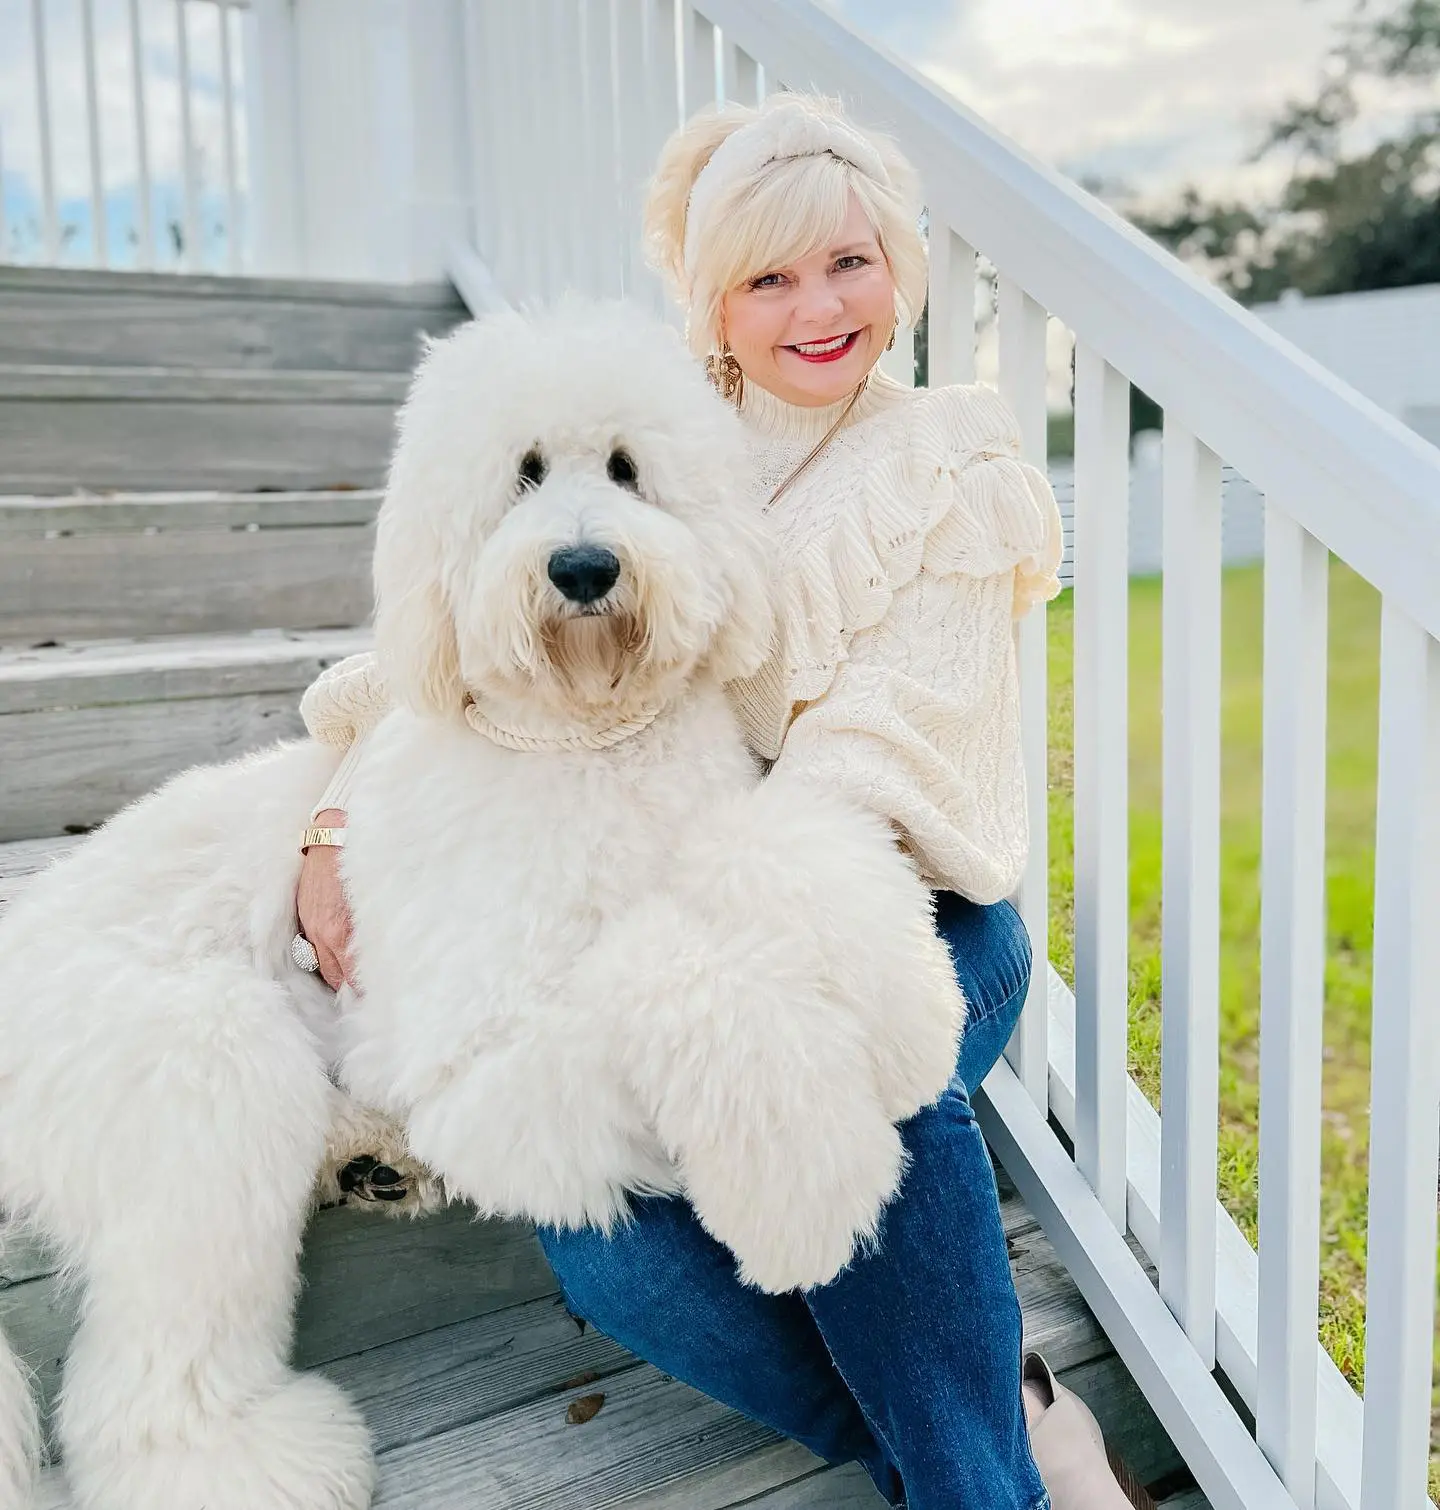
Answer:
(921, 722)
(340, 707)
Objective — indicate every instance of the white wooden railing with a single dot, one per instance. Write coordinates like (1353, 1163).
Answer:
(568, 102)
(159, 85)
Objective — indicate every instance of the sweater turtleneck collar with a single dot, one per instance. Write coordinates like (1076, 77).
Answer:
(772, 417)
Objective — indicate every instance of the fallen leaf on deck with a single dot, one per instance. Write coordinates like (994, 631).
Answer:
(586, 1408)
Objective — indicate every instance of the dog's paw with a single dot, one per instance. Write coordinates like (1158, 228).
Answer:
(367, 1179)
(394, 1186)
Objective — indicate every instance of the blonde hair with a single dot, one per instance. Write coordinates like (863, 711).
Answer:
(785, 209)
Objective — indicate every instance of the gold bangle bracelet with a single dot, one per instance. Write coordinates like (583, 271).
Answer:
(334, 837)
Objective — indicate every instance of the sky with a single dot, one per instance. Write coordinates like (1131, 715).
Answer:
(1154, 93)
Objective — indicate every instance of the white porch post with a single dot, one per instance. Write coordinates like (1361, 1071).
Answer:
(360, 137)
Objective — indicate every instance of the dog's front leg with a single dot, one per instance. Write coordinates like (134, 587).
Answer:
(760, 1087)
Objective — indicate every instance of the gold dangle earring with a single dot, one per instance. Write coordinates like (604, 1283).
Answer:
(890, 344)
(725, 375)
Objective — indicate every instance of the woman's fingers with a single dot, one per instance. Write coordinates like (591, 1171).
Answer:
(331, 970)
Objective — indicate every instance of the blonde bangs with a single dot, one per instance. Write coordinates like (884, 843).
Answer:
(798, 207)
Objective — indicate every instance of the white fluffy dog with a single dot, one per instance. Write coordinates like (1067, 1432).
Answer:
(597, 954)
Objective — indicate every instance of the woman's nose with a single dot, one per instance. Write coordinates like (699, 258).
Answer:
(817, 302)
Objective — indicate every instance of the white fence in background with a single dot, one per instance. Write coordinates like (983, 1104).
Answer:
(123, 143)
(568, 102)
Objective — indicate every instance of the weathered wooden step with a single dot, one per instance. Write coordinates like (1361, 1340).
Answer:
(81, 318)
(86, 728)
(183, 563)
(162, 429)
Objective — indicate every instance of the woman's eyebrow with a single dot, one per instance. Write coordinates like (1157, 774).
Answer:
(854, 246)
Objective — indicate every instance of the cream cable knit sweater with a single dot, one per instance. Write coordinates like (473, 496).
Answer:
(907, 548)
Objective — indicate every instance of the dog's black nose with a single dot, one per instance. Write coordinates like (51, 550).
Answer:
(584, 573)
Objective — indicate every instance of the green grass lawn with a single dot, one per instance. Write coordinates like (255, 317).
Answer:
(1350, 854)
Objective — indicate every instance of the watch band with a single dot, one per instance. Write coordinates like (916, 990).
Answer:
(334, 837)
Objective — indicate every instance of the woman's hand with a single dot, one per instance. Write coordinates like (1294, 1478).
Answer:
(320, 902)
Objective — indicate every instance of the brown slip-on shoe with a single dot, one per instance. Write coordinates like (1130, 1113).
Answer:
(1069, 1449)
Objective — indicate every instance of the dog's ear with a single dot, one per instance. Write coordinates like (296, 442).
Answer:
(415, 637)
(747, 632)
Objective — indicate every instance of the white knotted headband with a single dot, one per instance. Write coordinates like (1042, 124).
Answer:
(783, 131)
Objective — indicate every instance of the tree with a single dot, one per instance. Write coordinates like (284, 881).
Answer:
(1348, 218)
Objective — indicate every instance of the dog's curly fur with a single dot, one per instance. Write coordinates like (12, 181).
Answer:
(585, 972)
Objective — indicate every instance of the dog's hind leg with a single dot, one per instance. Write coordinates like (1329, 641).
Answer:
(19, 1432)
(177, 1390)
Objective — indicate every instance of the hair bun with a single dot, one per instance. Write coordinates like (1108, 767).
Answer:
(684, 154)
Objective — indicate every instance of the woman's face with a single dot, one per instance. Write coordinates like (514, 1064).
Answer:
(809, 331)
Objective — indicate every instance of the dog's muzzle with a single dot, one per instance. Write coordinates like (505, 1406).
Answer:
(584, 573)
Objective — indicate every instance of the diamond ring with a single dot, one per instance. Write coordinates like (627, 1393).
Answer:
(302, 951)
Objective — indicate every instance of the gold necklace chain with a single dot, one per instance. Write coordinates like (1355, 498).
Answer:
(819, 445)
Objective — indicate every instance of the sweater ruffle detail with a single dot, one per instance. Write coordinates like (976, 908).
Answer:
(948, 495)
(345, 701)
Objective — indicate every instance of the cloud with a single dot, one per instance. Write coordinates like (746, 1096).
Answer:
(1155, 91)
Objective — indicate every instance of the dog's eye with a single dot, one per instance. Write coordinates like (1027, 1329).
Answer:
(621, 468)
(532, 468)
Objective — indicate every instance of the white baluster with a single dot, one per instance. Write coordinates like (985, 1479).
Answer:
(191, 258)
(506, 26)
(662, 68)
(699, 53)
(952, 307)
(227, 109)
(50, 219)
(1102, 883)
(568, 232)
(741, 74)
(546, 187)
(1404, 1072)
(479, 105)
(608, 234)
(99, 229)
(1190, 968)
(1292, 985)
(1022, 386)
(637, 146)
(144, 229)
(662, 72)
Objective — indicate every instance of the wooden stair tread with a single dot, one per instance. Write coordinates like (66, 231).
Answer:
(132, 385)
(110, 673)
(118, 513)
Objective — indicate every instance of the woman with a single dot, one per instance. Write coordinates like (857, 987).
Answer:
(910, 539)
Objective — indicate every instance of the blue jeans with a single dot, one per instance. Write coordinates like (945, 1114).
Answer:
(909, 1360)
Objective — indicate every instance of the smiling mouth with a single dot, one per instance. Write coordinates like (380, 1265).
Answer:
(825, 351)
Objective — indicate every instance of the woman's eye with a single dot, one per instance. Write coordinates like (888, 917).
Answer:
(767, 280)
(532, 468)
(845, 264)
(620, 468)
